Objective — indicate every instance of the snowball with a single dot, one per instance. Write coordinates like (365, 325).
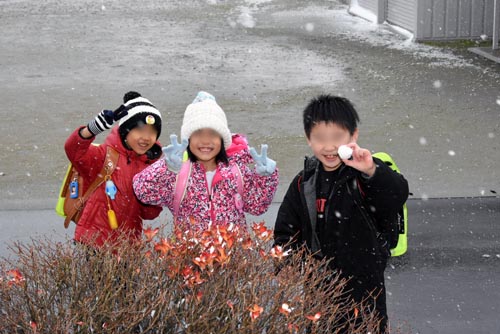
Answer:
(344, 152)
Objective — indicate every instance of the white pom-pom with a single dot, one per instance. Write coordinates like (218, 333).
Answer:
(344, 152)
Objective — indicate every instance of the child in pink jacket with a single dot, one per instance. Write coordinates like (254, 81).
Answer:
(219, 186)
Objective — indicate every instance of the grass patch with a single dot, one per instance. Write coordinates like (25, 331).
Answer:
(459, 43)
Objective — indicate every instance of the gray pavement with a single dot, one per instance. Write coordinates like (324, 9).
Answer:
(436, 110)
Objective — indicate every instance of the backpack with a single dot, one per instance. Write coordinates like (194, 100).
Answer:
(394, 241)
(400, 245)
(71, 201)
(181, 185)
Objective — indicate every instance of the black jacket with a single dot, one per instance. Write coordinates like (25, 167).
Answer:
(348, 237)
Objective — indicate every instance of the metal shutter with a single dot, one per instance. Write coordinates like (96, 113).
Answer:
(402, 13)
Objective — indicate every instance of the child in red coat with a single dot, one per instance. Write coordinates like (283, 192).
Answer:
(135, 140)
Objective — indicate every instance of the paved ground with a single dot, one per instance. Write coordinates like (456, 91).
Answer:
(437, 111)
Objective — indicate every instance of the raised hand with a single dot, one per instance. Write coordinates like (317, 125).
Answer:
(263, 165)
(101, 122)
(174, 153)
(106, 118)
(361, 159)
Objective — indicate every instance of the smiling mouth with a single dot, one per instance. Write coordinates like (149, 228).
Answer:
(205, 149)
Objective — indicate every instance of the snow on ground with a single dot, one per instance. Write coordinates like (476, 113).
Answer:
(341, 23)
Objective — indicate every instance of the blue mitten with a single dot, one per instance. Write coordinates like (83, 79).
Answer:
(263, 165)
(174, 153)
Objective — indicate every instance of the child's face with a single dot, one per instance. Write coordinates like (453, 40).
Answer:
(325, 140)
(205, 144)
(142, 138)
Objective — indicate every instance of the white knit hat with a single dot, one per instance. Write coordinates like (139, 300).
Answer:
(204, 113)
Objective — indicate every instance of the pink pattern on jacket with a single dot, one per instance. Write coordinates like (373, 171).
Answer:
(155, 185)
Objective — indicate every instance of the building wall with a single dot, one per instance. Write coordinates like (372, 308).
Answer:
(371, 5)
(454, 19)
(437, 19)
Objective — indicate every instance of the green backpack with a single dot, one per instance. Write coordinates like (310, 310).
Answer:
(402, 217)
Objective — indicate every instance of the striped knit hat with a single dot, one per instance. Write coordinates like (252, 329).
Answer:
(139, 111)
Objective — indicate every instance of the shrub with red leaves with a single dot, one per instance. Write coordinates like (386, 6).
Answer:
(221, 280)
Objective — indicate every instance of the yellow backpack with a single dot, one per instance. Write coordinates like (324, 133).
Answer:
(402, 244)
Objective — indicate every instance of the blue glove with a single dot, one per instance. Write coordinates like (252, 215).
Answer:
(174, 153)
(263, 165)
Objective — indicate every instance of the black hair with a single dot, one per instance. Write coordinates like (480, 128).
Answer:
(220, 157)
(330, 109)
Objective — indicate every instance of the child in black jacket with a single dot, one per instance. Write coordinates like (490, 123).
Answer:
(328, 204)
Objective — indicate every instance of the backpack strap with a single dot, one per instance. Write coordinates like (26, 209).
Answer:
(180, 185)
(239, 178)
(108, 168)
(358, 197)
(238, 197)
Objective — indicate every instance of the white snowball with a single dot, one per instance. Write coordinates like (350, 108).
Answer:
(344, 152)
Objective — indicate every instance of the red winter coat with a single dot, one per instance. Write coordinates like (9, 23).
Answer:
(88, 160)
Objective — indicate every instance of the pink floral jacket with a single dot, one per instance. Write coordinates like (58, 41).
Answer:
(155, 185)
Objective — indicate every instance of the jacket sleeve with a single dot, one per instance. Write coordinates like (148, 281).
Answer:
(155, 184)
(259, 190)
(386, 187)
(385, 192)
(87, 158)
(288, 225)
